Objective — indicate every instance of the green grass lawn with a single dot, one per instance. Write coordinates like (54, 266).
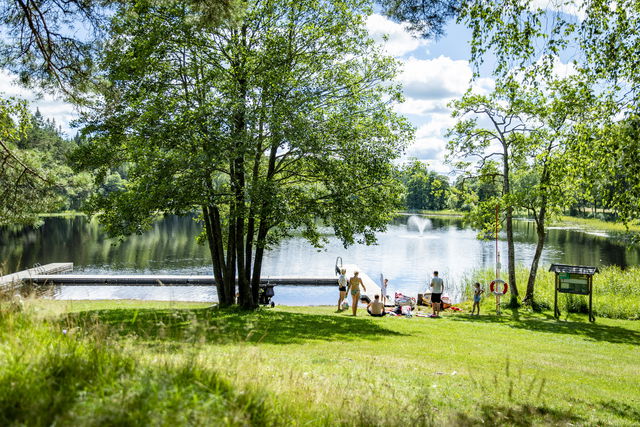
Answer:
(151, 363)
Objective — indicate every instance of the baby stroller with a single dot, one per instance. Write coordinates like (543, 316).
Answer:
(265, 294)
(404, 300)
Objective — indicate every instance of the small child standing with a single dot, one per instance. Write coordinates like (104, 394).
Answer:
(477, 296)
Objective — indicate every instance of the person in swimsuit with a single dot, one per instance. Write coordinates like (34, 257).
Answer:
(477, 296)
(354, 287)
(342, 288)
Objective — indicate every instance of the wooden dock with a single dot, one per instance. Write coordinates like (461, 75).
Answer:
(12, 280)
(46, 275)
(165, 280)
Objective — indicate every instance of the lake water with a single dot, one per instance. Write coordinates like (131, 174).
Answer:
(404, 254)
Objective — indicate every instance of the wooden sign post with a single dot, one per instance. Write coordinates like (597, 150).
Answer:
(573, 279)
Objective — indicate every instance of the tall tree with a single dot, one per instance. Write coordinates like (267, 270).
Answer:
(537, 132)
(491, 148)
(551, 178)
(51, 45)
(277, 121)
(601, 38)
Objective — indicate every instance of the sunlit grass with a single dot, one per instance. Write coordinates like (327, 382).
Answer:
(597, 224)
(150, 363)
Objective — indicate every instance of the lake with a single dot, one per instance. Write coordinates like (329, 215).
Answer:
(405, 254)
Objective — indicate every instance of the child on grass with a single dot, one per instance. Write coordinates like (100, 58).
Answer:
(477, 296)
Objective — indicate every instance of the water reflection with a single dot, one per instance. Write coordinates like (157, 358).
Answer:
(403, 254)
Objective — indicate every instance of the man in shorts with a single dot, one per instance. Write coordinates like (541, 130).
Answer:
(437, 287)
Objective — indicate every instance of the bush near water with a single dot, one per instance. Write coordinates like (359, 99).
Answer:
(616, 292)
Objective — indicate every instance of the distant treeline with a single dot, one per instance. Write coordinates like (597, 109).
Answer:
(426, 189)
(44, 139)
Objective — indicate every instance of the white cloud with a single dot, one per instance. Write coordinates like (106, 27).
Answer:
(575, 8)
(398, 40)
(436, 127)
(433, 79)
(483, 85)
(50, 106)
(429, 85)
(562, 70)
(423, 107)
(430, 143)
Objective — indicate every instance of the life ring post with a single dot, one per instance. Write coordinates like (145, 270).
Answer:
(494, 287)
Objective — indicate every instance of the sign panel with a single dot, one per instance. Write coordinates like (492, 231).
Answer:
(571, 283)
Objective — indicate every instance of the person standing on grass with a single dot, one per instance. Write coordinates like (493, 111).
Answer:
(342, 287)
(477, 296)
(383, 291)
(437, 287)
(354, 288)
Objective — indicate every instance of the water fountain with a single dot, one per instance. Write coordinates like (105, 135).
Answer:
(418, 223)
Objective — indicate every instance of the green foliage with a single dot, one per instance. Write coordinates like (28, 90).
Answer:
(530, 139)
(426, 190)
(603, 39)
(617, 164)
(42, 42)
(36, 177)
(425, 18)
(26, 177)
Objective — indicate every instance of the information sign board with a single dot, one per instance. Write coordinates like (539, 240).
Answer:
(572, 283)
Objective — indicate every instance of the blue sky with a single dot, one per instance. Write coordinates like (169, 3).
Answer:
(434, 72)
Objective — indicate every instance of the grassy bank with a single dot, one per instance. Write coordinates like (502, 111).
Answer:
(597, 224)
(616, 292)
(64, 214)
(131, 363)
(443, 212)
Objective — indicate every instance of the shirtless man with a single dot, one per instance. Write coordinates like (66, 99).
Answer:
(376, 308)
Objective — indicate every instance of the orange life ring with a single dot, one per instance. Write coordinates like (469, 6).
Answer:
(505, 286)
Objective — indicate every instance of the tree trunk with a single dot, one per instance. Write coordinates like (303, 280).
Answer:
(509, 225)
(257, 263)
(246, 299)
(214, 238)
(255, 288)
(263, 228)
(540, 230)
(230, 279)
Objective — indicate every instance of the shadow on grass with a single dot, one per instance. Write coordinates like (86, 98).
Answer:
(523, 416)
(621, 410)
(548, 324)
(226, 326)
